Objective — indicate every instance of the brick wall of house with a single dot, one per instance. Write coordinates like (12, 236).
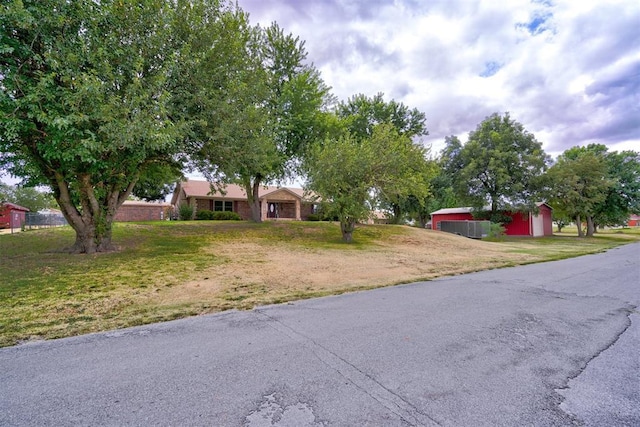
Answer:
(287, 210)
(142, 213)
(203, 205)
(306, 209)
(242, 208)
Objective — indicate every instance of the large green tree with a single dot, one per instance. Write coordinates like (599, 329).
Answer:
(623, 195)
(230, 137)
(499, 166)
(579, 185)
(349, 174)
(592, 184)
(255, 127)
(360, 115)
(83, 107)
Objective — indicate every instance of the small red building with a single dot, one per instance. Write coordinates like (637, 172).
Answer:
(634, 221)
(522, 224)
(12, 215)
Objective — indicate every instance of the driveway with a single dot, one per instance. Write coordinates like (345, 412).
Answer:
(550, 344)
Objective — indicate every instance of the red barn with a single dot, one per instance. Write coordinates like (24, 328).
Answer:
(12, 215)
(522, 224)
(634, 221)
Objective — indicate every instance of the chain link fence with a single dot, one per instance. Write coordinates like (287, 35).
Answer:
(35, 220)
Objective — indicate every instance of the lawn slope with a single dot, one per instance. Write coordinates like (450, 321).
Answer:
(168, 270)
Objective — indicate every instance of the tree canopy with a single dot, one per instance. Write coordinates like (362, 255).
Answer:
(360, 115)
(349, 175)
(500, 166)
(595, 185)
(623, 195)
(254, 127)
(85, 96)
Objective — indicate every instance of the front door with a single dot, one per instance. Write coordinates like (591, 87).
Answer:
(272, 211)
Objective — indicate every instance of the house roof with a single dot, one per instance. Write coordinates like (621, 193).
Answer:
(202, 189)
(50, 211)
(379, 215)
(143, 203)
(14, 207)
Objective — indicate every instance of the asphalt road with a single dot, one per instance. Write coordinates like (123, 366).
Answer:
(551, 344)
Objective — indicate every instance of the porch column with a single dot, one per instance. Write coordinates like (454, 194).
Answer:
(264, 206)
(297, 209)
(191, 201)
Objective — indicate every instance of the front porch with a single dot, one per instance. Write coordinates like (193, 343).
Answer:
(280, 205)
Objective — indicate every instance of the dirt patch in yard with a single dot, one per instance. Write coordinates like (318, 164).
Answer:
(259, 273)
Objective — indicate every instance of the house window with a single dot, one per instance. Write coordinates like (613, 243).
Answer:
(222, 205)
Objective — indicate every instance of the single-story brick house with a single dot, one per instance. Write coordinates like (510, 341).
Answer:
(275, 202)
(378, 217)
(12, 215)
(133, 210)
(522, 224)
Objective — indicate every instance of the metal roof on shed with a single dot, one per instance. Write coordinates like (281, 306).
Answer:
(452, 211)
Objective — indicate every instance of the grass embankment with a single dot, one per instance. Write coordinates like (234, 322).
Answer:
(168, 270)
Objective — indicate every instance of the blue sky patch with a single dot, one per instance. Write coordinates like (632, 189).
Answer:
(538, 23)
(490, 68)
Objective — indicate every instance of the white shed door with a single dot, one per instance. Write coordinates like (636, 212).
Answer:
(538, 225)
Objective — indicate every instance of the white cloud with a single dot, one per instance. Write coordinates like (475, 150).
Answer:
(567, 70)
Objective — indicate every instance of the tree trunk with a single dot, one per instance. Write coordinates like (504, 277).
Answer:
(397, 213)
(590, 226)
(93, 230)
(253, 198)
(347, 226)
(494, 205)
(91, 238)
(93, 219)
(579, 224)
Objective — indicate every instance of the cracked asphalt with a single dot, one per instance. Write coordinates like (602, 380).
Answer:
(553, 344)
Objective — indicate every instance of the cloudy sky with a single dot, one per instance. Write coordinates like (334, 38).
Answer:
(568, 70)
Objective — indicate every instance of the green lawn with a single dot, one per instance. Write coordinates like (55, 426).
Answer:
(45, 293)
(567, 244)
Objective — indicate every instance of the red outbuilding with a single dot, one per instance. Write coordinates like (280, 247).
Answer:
(634, 221)
(12, 215)
(522, 224)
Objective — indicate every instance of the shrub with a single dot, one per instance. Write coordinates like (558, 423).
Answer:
(321, 217)
(496, 231)
(217, 215)
(185, 212)
(225, 216)
(204, 215)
